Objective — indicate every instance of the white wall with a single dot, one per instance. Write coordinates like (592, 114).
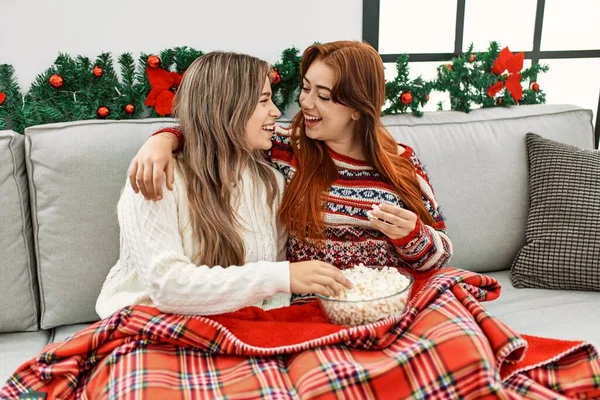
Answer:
(33, 32)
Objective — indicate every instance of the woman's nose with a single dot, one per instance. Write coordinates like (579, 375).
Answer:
(275, 113)
(307, 102)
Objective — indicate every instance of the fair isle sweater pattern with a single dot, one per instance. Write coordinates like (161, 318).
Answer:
(349, 238)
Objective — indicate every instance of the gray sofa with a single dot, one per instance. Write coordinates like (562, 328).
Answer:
(60, 184)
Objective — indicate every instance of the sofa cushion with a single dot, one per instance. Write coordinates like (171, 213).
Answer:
(61, 333)
(76, 173)
(18, 286)
(560, 314)
(563, 227)
(17, 348)
(477, 164)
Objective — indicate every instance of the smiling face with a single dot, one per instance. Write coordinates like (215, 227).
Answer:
(324, 119)
(260, 126)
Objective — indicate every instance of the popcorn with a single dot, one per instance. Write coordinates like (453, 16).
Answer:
(370, 215)
(374, 296)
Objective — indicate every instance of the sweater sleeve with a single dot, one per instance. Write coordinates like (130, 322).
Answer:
(425, 247)
(174, 283)
(281, 155)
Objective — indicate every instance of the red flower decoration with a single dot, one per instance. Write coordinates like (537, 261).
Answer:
(164, 85)
(495, 88)
(513, 63)
(2, 97)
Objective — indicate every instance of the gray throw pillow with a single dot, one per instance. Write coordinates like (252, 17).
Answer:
(563, 225)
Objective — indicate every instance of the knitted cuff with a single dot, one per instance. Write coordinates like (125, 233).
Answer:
(175, 131)
(403, 241)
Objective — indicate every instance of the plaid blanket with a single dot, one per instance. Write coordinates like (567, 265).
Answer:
(445, 346)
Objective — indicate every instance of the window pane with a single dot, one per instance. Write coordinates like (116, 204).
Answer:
(575, 81)
(510, 24)
(571, 25)
(412, 27)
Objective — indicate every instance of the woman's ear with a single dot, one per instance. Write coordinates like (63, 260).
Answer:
(355, 115)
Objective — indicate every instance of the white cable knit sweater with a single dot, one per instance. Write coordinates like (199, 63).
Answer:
(155, 265)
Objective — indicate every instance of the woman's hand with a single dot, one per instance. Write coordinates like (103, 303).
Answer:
(150, 165)
(307, 277)
(395, 222)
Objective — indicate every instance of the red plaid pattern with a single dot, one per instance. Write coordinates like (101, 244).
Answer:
(445, 346)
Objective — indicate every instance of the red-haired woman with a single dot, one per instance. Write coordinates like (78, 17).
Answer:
(353, 194)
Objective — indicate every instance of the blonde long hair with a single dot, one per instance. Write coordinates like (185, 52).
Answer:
(216, 98)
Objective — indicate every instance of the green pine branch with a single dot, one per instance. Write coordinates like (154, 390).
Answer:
(404, 94)
(184, 56)
(131, 89)
(288, 88)
(11, 110)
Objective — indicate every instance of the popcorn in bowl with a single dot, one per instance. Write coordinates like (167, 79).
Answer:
(377, 293)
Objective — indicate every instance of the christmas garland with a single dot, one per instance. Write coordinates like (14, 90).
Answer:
(489, 79)
(78, 89)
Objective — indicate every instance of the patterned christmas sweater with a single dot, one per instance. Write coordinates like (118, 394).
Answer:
(349, 238)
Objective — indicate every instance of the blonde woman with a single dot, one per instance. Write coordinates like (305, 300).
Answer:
(213, 244)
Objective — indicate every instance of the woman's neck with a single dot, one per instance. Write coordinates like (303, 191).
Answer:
(349, 146)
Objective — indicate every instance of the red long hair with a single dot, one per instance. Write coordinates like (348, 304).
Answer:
(360, 84)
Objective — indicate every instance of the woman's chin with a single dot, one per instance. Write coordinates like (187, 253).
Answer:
(267, 146)
(311, 133)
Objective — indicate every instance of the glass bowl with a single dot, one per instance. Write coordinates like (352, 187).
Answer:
(360, 312)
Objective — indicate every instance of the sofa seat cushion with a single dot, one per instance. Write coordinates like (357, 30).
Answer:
(560, 314)
(63, 332)
(16, 348)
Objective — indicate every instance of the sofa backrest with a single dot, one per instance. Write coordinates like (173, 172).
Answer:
(477, 163)
(76, 173)
(18, 286)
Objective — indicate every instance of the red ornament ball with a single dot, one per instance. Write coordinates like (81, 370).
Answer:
(427, 98)
(275, 77)
(56, 81)
(97, 71)
(499, 101)
(534, 86)
(153, 61)
(472, 58)
(449, 67)
(130, 109)
(103, 112)
(406, 98)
